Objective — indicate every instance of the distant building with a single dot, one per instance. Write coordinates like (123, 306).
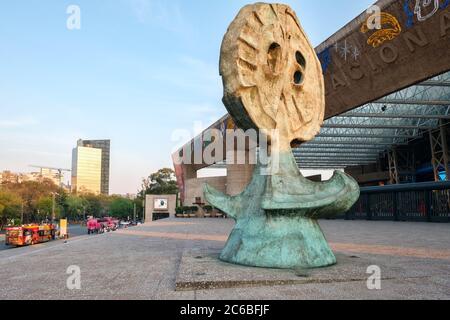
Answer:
(44, 174)
(9, 177)
(86, 170)
(105, 146)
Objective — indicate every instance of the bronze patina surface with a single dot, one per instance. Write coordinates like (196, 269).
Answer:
(273, 82)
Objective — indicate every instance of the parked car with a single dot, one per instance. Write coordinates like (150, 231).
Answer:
(125, 224)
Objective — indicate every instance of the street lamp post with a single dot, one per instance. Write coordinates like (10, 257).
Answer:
(143, 209)
(21, 215)
(53, 207)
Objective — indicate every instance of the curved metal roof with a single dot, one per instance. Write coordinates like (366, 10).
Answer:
(359, 136)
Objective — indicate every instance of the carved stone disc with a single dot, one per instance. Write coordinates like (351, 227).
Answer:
(271, 74)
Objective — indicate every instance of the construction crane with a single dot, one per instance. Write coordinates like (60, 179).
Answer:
(59, 170)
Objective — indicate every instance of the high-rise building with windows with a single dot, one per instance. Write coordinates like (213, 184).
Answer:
(105, 147)
(86, 170)
(81, 155)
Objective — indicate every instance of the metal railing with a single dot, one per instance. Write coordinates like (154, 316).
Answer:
(421, 202)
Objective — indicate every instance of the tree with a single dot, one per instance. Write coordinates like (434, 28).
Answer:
(161, 182)
(121, 208)
(139, 208)
(61, 202)
(31, 192)
(75, 206)
(96, 205)
(10, 207)
(45, 208)
(93, 205)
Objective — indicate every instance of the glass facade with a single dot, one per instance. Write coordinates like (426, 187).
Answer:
(105, 146)
(86, 170)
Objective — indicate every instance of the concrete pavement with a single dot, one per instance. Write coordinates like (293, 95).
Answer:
(147, 262)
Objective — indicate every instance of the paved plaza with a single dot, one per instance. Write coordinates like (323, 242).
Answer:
(177, 259)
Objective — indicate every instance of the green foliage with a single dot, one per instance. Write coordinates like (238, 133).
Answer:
(37, 201)
(44, 208)
(186, 209)
(179, 210)
(62, 203)
(30, 192)
(121, 208)
(139, 208)
(159, 183)
(75, 207)
(208, 209)
(93, 205)
(10, 207)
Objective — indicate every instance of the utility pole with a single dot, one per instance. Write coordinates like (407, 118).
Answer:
(143, 209)
(134, 211)
(53, 207)
(21, 216)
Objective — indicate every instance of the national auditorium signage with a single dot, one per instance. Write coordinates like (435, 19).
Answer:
(411, 46)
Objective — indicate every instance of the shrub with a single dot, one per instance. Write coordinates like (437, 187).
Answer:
(179, 210)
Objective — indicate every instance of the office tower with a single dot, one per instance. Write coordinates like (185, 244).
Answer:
(86, 170)
(105, 146)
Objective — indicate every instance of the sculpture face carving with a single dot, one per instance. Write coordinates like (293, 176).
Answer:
(271, 74)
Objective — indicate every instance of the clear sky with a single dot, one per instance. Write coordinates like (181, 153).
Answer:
(136, 71)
